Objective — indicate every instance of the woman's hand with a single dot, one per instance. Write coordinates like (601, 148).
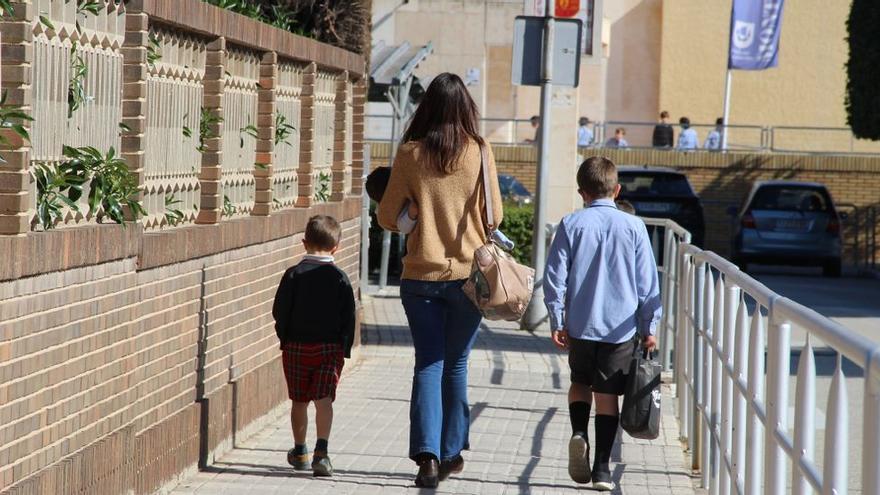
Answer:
(413, 210)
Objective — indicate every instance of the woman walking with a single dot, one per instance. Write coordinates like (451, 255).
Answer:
(437, 168)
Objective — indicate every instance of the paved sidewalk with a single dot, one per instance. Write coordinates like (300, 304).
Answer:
(519, 435)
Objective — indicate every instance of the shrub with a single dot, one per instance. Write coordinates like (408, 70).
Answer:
(517, 225)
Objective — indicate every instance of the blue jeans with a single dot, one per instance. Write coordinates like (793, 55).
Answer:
(444, 324)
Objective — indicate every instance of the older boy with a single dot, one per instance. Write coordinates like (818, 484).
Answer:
(600, 289)
(314, 315)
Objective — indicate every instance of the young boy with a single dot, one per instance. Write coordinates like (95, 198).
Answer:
(314, 313)
(600, 289)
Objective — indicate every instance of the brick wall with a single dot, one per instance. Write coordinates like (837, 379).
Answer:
(122, 374)
(723, 179)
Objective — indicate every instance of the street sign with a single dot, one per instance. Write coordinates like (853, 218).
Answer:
(567, 8)
(528, 51)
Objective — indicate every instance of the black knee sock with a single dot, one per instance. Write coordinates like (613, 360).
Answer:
(579, 413)
(606, 432)
(321, 446)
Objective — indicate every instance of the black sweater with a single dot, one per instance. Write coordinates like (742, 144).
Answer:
(315, 304)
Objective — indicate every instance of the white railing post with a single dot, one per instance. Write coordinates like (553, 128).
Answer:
(718, 332)
(683, 355)
(804, 419)
(741, 355)
(696, 367)
(731, 298)
(836, 436)
(707, 358)
(669, 258)
(754, 448)
(871, 426)
(779, 354)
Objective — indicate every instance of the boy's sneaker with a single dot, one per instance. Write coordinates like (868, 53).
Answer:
(300, 462)
(602, 482)
(579, 458)
(321, 466)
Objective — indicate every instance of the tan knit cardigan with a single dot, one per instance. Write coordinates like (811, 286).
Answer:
(451, 212)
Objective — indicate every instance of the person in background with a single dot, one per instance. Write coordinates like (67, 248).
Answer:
(713, 140)
(687, 139)
(535, 121)
(618, 140)
(662, 137)
(585, 134)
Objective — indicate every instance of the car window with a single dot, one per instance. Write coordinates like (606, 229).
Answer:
(788, 198)
(655, 184)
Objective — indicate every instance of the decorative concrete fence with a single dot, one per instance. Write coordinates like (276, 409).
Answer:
(131, 354)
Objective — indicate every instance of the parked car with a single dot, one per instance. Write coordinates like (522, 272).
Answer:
(659, 192)
(513, 190)
(788, 223)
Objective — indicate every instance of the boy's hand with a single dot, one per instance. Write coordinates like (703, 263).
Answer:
(649, 343)
(560, 338)
(413, 210)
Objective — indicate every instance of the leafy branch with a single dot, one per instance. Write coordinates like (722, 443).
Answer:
(154, 53)
(112, 186)
(76, 89)
(322, 189)
(11, 117)
(283, 130)
(249, 130)
(173, 215)
(207, 121)
(6, 8)
(229, 208)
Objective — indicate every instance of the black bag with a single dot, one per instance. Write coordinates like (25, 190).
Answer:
(640, 416)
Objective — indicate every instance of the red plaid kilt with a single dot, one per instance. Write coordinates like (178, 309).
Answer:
(312, 370)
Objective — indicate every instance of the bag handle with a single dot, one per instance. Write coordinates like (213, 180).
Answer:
(484, 170)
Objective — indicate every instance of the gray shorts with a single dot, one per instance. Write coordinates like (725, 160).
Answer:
(600, 365)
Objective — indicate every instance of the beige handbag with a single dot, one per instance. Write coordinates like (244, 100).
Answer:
(498, 286)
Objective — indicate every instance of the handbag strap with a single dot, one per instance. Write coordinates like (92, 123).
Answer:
(484, 168)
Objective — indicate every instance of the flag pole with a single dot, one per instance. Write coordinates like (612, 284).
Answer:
(726, 113)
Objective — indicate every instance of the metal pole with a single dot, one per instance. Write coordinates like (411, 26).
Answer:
(365, 225)
(537, 312)
(726, 114)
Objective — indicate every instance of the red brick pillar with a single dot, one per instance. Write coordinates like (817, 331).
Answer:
(134, 94)
(305, 181)
(214, 84)
(17, 56)
(265, 135)
(359, 103)
(340, 137)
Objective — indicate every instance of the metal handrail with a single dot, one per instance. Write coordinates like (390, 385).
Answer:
(731, 409)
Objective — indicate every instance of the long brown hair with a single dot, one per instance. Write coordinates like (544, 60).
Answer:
(444, 122)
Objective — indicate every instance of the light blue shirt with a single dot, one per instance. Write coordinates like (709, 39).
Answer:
(601, 280)
(585, 136)
(687, 140)
(713, 140)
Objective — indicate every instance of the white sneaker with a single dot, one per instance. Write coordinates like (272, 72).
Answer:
(579, 459)
(603, 486)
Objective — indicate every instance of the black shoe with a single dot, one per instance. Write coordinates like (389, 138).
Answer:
(429, 473)
(602, 481)
(579, 458)
(451, 466)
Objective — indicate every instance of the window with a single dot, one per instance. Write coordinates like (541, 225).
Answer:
(655, 184)
(791, 198)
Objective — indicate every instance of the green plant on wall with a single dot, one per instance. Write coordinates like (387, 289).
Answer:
(173, 215)
(11, 117)
(112, 186)
(229, 208)
(207, 121)
(154, 53)
(6, 8)
(283, 130)
(322, 188)
(76, 89)
(248, 130)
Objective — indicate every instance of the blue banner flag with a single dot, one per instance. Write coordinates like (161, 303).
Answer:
(754, 34)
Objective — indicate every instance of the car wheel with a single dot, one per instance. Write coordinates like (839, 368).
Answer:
(832, 268)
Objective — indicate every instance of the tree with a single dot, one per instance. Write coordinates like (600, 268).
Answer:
(863, 78)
